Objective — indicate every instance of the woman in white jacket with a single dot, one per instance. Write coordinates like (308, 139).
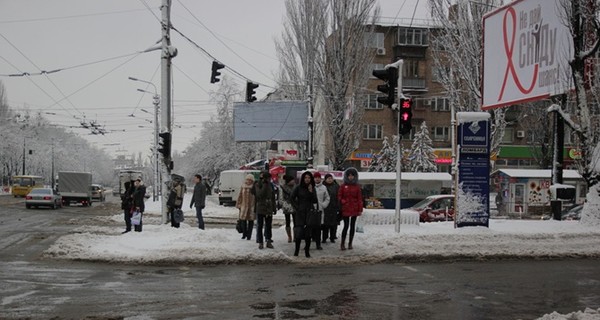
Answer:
(323, 201)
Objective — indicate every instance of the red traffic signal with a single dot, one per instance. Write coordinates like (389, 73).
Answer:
(405, 125)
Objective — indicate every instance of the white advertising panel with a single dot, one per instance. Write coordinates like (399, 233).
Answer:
(526, 51)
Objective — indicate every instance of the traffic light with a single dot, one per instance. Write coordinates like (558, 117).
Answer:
(390, 76)
(405, 115)
(250, 91)
(164, 145)
(215, 72)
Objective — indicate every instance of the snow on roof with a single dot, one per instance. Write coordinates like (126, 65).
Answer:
(437, 176)
(463, 117)
(537, 173)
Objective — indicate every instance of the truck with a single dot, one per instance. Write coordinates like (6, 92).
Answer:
(75, 187)
(128, 176)
(230, 182)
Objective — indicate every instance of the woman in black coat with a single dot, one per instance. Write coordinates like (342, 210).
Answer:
(330, 220)
(303, 198)
(138, 196)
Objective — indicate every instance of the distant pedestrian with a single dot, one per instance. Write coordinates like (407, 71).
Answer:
(351, 202)
(246, 202)
(330, 216)
(138, 197)
(265, 209)
(304, 198)
(199, 199)
(285, 193)
(323, 201)
(126, 204)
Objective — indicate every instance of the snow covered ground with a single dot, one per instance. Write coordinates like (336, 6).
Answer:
(162, 244)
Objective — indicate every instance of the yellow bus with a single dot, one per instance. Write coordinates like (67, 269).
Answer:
(22, 185)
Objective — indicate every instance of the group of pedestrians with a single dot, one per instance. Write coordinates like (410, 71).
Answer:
(313, 208)
(132, 200)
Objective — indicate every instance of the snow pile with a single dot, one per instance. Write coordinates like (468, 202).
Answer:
(590, 215)
(587, 314)
(160, 243)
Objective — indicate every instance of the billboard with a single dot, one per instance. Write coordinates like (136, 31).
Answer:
(270, 121)
(526, 51)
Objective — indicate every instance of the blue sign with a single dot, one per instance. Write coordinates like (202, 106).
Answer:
(473, 207)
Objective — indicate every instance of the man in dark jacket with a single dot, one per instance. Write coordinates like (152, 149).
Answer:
(199, 199)
(138, 198)
(265, 209)
(126, 203)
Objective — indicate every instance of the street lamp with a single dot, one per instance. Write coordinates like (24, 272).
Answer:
(156, 101)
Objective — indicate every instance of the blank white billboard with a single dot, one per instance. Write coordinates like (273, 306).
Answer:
(526, 51)
(270, 121)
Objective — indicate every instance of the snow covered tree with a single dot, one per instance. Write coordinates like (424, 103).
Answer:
(422, 158)
(324, 57)
(385, 160)
(457, 52)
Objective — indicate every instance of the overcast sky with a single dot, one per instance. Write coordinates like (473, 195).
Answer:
(97, 45)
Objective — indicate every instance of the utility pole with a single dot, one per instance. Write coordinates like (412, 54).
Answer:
(23, 173)
(167, 53)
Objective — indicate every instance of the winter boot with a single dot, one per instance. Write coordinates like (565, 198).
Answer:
(260, 245)
(269, 244)
(343, 244)
(288, 230)
(307, 249)
(297, 248)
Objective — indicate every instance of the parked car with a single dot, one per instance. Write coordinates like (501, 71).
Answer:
(98, 192)
(434, 208)
(46, 197)
(574, 213)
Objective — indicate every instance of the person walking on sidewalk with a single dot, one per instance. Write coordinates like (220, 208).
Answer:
(304, 198)
(285, 192)
(323, 201)
(351, 202)
(265, 209)
(199, 199)
(245, 202)
(330, 216)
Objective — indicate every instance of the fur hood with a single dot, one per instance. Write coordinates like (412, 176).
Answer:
(352, 171)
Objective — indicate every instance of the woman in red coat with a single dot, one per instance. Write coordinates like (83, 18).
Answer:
(351, 204)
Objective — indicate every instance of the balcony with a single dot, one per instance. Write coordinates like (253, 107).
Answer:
(414, 83)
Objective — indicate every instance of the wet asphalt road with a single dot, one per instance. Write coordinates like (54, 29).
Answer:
(38, 288)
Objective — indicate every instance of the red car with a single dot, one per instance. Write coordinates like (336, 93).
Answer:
(434, 208)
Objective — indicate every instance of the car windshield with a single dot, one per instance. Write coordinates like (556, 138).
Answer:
(41, 191)
(422, 204)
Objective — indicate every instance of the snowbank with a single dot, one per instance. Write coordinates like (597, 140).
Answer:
(160, 243)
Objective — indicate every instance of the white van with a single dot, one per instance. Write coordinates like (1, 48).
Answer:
(230, 182)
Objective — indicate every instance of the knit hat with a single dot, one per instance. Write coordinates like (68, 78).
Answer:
(316, 175)
(328, 175)
(249, 177)
(287, 178)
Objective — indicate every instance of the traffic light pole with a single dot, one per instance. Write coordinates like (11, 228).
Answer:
(398, 64)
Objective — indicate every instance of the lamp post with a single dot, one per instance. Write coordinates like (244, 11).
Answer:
(156, 102)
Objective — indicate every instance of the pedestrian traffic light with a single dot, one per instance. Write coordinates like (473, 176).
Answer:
(250, 91)
(390, 76)
(164, 145)
(405, 115)
(215, 72)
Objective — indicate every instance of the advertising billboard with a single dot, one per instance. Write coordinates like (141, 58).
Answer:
(527, 47)
(270, 121)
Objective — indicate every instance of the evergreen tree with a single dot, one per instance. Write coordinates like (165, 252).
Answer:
(422, 158)
(385, 160)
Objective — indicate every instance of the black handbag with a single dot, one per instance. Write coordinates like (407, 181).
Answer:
(314, 218)
(239, 227)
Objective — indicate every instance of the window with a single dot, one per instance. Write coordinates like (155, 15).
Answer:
(411, 36)
(374, 40)
(373, 132)
(440, 104)
(509, 134)
(441, 133)
(372, 103)
(410, 69)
